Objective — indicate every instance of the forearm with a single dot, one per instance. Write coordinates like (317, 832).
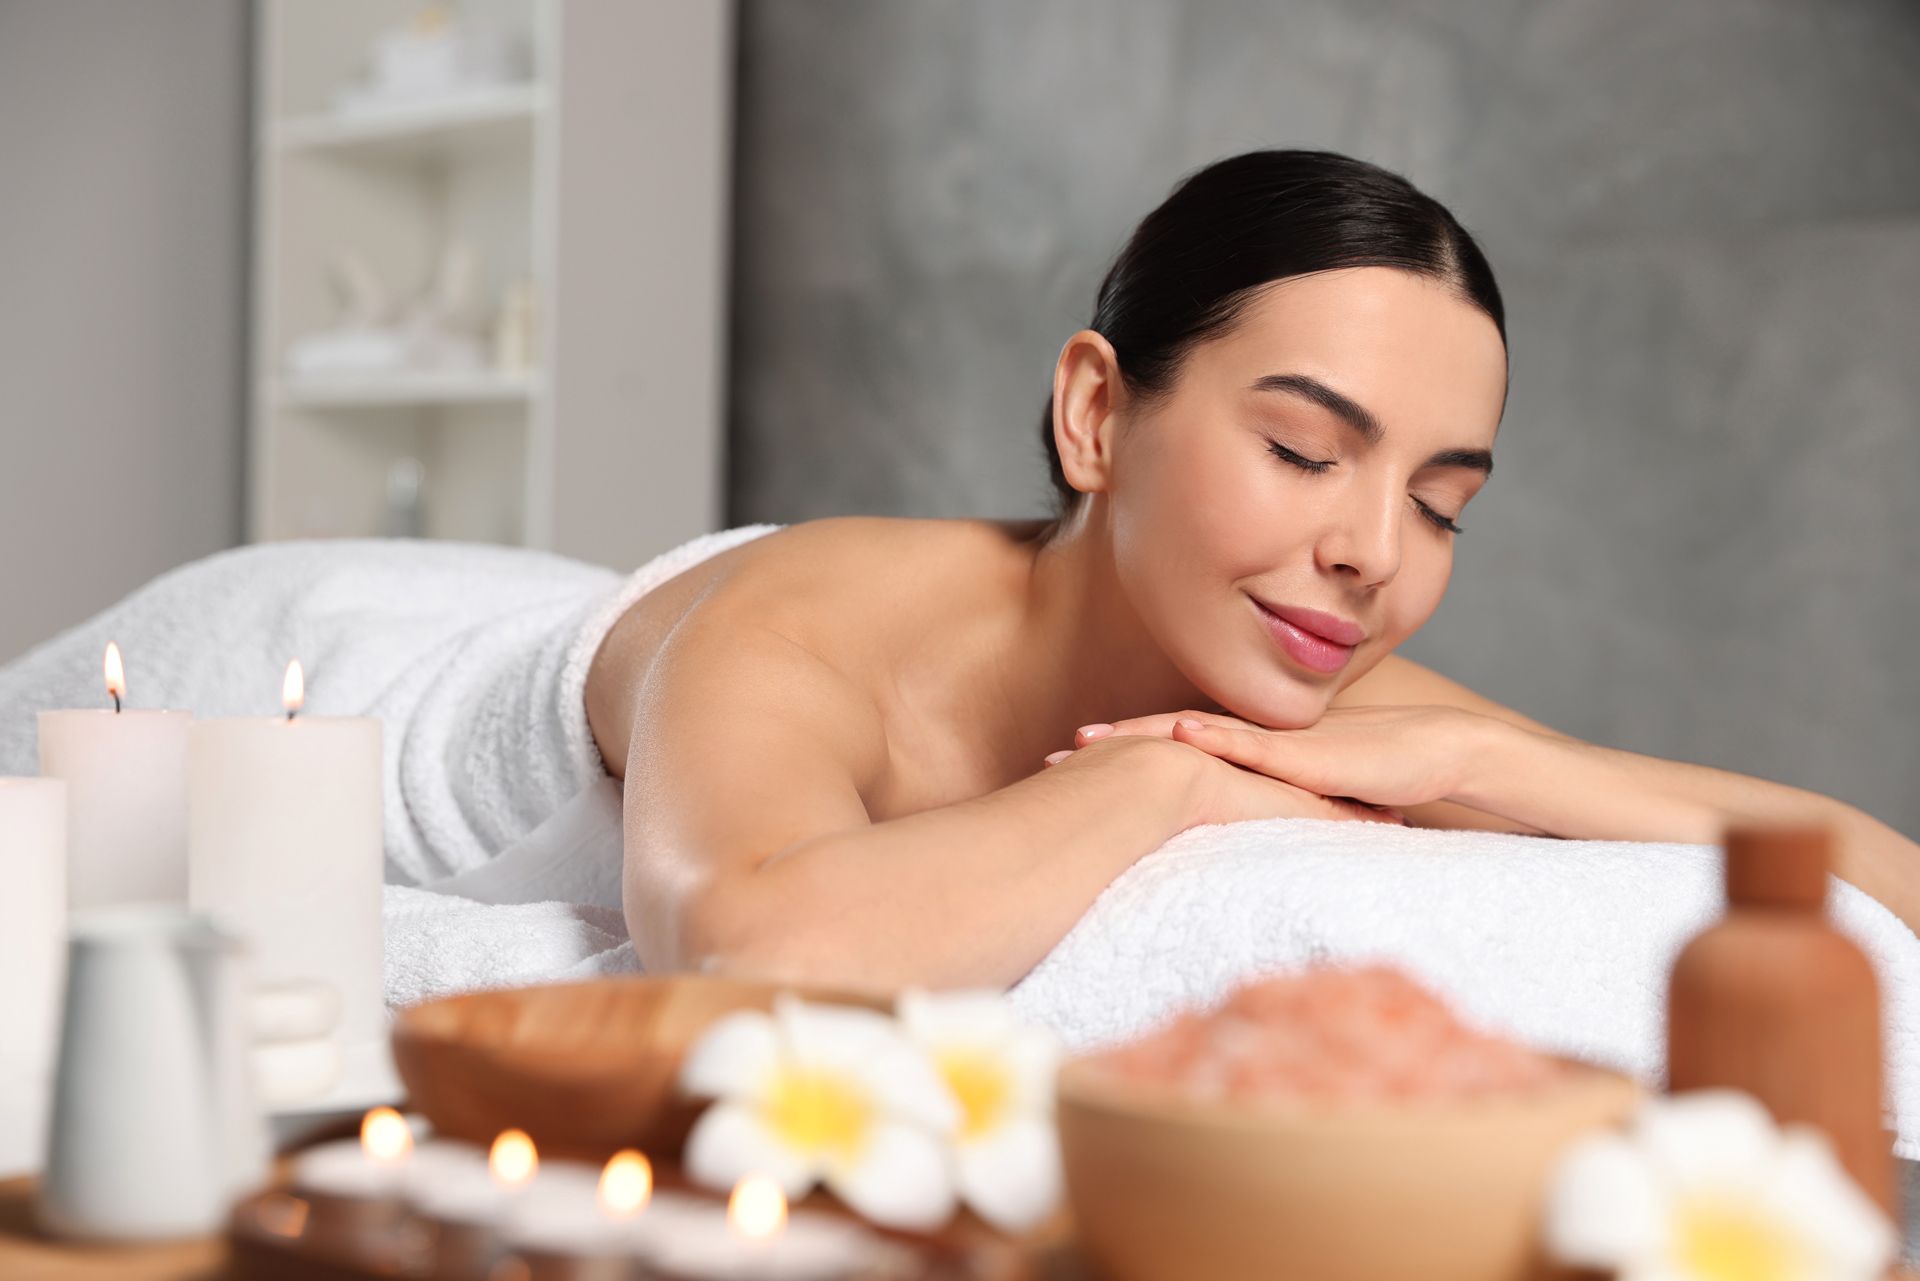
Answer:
(1581, 790)
(971, 894)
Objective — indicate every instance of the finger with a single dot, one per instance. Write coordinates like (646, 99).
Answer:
(1255, 749)
(1159, 725)
(1347, 809)
(1377, 813)
(1054, 758)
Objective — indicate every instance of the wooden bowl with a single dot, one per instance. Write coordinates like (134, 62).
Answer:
(1163, 1189)
(584, 1068)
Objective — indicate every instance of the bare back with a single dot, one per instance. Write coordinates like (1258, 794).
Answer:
(860, 597)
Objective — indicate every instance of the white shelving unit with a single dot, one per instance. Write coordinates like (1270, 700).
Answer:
(601, 182)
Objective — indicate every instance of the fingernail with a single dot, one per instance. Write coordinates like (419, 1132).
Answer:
(1088, 733)
(1187, 722)
(1054, 758)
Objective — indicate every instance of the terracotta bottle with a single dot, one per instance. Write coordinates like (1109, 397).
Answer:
(1774, 1001)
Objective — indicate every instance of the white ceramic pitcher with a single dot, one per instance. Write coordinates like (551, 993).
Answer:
(154, 1128)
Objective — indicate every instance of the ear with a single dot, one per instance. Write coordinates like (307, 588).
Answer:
(1086, 392)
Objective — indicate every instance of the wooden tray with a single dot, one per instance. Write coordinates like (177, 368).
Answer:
(271, 1237)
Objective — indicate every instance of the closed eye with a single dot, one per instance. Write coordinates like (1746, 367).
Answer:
(1436, 519)
(1286, 455)
(1317, 466)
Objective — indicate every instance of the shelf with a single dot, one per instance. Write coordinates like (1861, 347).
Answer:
(399, 392)
(478, 119)
(639, 96)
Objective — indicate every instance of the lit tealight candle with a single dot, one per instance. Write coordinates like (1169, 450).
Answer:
(126, 776)
(466, 1203)
(626, 1185)
(353, 1185)
(759, 1240)
(288, 850)
(757, 1208)
(386, 1137)
(577, 1224)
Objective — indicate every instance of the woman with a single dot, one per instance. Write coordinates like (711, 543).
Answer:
(832, 737)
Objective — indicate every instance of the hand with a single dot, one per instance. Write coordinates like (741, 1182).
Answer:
(1221, 791)
(1388, 756)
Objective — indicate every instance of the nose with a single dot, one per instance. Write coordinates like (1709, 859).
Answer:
(1363, 537)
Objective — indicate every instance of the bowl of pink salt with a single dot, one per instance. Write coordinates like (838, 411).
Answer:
(1338, 1125)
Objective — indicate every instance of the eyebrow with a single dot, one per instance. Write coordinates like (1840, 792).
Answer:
(1361, 419)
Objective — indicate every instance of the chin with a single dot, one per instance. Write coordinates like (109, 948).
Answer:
(1270, 698)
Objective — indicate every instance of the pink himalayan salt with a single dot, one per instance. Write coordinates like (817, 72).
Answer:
(1329, 1035)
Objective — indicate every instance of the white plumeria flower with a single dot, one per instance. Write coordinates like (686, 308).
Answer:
(827, 1093)
(1005, 1152)
(1703, 1187)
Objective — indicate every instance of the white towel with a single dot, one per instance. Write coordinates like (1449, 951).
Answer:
(474, 658)
(1563, 944)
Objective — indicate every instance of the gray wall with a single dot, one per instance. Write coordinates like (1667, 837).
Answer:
(1705, 216)
(122, 251)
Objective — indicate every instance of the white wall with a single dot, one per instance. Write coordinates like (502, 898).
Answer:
(123, 154)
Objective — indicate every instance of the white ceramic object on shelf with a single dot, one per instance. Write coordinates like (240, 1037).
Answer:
(154, 1128)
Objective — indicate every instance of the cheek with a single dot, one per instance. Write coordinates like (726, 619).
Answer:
(1422, 582)
(1203, 516)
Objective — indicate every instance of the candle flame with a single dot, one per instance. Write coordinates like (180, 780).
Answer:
(757, 1209)
(626, 1184)
(385, 1136)
(293, 690)
(512, 1158)
(116, 674)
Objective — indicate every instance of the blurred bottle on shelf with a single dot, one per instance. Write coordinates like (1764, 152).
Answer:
(405, 479)
(513, 330)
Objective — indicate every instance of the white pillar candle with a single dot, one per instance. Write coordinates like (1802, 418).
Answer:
(126, 776)
(33, 941)
(286, 849)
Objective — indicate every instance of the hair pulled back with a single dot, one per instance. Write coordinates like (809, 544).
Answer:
(1195, 262)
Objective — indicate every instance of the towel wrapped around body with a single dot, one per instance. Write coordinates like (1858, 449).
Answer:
(503, 829)
(474, 658)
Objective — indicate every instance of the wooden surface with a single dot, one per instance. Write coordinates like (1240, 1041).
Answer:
(27, 1256)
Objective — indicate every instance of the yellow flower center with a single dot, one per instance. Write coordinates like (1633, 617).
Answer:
(1720, 1240)
(982, 1085)
(817, 1111)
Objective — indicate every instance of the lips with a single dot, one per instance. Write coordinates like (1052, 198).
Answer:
(1317, 641)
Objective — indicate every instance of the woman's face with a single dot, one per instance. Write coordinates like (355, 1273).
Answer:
(1305, 467)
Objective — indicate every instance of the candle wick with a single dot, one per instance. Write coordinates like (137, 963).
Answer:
(116, 700)
(289, 713)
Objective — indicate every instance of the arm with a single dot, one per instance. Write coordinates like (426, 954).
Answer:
(1527, 777)
(1397, 681)
(1575, 789)
(749, 846)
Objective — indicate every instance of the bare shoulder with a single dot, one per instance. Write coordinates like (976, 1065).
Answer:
(807, 611)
